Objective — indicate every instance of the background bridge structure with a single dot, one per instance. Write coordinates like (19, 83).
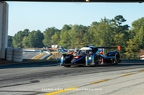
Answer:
(3, 28)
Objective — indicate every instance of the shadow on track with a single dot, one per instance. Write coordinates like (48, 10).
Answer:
(124, 63)
(29, 65)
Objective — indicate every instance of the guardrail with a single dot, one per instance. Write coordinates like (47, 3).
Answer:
(133, 61)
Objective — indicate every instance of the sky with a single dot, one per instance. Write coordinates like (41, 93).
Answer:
(43, 15)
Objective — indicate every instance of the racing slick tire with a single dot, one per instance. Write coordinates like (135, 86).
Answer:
(67, 65)
(115, 61)
(97, 60)
(66, 59)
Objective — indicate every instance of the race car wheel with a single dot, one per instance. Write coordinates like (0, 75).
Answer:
(115, 61)
(97, 60)
(67, 65)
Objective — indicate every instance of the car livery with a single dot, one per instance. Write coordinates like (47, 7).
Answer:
(90, 56)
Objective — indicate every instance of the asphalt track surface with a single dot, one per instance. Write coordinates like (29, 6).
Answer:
(12, 75)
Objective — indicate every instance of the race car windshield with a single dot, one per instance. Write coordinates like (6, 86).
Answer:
(111, 54)
(83, 52)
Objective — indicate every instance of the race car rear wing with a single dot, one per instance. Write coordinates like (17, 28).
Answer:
(118, 47)
(95, 49)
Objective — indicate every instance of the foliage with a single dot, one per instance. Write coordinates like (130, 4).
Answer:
(18, 38)
(34, 39)
(106, 32)
(10, 41)
(48, 33)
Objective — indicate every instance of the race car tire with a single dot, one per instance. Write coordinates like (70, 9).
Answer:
(68, 58)
(115, 61)
(67, 65)
(96, 60)
(118, 58)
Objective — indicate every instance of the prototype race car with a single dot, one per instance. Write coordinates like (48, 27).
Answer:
(90, 56)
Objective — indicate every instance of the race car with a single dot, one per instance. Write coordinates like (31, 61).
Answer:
(90, 56)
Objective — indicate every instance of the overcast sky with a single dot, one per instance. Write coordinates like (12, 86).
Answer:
(42, 15)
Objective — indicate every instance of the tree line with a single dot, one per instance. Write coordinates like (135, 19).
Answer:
(106, 32)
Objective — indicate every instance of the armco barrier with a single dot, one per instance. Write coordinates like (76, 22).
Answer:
(133, 61)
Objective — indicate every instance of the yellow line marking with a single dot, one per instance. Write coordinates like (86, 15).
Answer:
(74, 88)
(127, 74)
(99, 81)
(61, 91)
(141, 71)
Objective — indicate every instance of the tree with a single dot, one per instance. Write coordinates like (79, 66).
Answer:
(10, 41)
(64, 39)
(34, 39)
(120, 31)
(25, 42)
(131, 49)
(18, 38)
(136, 41)
(75, 36)
(92, 33)
(64, 36)
(55, 38)
(48, 33)
(65, 28)
(118, 20)
(100, 33)
(138, 28)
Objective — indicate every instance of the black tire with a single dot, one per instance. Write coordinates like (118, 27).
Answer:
(67, 60)
(67, 65)
(115, 62)
(96, 60)
(116, 58)
(80, 65)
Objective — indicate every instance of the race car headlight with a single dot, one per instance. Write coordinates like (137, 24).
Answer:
(90, 58)
(62, 58)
